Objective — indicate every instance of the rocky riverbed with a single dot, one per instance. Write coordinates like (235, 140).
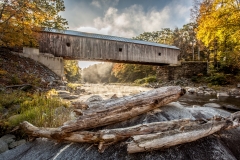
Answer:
(198, 102)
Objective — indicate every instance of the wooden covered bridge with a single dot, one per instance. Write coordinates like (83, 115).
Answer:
(95, 47)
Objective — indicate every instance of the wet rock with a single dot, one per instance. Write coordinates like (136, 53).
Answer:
(234, 92)
(114, 97)
(17, 143)
(191, 90)
(63, 88)
(222, 94)
(94, 98)
(8, 138)
(231, 107)
(43, 80)
(3, 146)
(79, 90)
(200, 92)
(238, 85)
(69, 97)
(63, 92)
(212, 105)
(207, 93)
(213, 100)
(225, 146)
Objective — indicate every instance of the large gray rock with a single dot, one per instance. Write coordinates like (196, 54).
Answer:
(224, 146)
(17, 143)
(3, 147)
(8, 138)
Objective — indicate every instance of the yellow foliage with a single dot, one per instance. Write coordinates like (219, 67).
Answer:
(20, 19)
(3, 72)
(219, 29)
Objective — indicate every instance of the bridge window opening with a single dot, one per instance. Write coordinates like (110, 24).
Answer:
(120, 49)
(68, 44)
(159, 54)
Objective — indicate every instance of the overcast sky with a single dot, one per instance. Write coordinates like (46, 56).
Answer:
(126, 18)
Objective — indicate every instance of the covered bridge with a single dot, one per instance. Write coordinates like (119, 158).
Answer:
(95, 47)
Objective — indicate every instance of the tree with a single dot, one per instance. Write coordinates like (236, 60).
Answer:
(219, 29)
(132, 72)
(164, 36)
(72, 71)
(21, 19)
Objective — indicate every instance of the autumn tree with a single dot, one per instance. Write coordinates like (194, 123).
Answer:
(72, 70)
(219, 29)
(132, 72)
(21, 19)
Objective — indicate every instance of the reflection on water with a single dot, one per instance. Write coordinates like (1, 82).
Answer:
(193, 99)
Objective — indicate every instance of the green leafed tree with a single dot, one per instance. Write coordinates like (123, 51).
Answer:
(21, 19)
(72, 71)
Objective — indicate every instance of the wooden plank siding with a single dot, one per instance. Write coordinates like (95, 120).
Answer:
(86, 48)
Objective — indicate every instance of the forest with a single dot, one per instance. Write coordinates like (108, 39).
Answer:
(213, 35)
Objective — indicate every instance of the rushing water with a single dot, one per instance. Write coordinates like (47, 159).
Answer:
(188, 100)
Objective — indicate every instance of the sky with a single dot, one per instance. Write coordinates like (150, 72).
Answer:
(125, 18)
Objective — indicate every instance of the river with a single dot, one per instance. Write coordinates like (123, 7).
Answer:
(106, 91)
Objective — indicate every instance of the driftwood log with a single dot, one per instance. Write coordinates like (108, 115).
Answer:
(145, 137)
(112, 111)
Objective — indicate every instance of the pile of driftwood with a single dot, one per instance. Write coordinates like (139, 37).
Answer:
(144, 137)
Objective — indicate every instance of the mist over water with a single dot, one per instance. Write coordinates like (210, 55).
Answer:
(98, 73)
(106, 91)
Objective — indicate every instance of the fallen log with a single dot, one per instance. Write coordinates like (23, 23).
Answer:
(112, 111)
(107, 135)
(146, 137)
(185, 134)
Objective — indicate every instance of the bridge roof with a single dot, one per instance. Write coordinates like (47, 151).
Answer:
(107, 37)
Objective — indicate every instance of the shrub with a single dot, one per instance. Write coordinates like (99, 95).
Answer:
(217, 79)
(38, 109)
(149, 79)
(73, 86)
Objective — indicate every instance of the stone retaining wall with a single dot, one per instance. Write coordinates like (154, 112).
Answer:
(185, 70)
(53, 63)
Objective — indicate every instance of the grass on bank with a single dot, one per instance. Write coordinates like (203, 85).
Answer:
(41, 110)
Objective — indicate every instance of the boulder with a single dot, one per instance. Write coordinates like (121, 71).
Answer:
(17, 143)
(94, 98)
(8, 138)
(69, 97)
(191, 90)
(235, 92)
(224, 146)
(3, 146)
(222, 94)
